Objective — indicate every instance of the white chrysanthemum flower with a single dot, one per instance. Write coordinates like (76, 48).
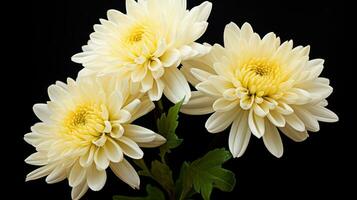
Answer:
(258, 86)
(148, 44)
(86, 128)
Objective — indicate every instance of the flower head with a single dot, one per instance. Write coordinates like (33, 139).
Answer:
(148, 44)
(86, 128)
(258, 86)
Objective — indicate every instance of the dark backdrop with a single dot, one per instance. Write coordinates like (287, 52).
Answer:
(318, 167)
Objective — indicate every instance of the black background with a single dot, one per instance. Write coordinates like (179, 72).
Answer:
(318, 167)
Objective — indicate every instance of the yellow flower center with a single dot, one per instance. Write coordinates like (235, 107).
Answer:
(85, 120)
(260, 76)
(136, 35)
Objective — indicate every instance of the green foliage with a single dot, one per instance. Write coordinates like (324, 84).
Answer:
(167, 125)
(206, 173)
(153, 193)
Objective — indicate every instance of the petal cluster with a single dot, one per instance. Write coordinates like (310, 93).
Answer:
(147, 44)
(85, 128)
(258, 86)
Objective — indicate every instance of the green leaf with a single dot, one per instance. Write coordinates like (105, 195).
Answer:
(162, 174)
(153, 193)
(167, 125)
(206, 173)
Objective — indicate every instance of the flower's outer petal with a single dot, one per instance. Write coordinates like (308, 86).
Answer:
(272, 140)
(239, 135)
(126, 173)
(176, 86)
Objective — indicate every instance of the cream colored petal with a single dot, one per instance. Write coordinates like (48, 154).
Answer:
(157, 141)
(309, 120)
(171, 58)
(79, 190)
(132, 106)
(96, 178)
(123, 116)
(293, 134)
(219, 121)
(256, 124)
(100, 159)
(272, 140)
(239, 135)
(200, 75)
(113, 151)
(199, 104)
(231, 36)
(145, 107)
(126, 173)
(323, 114)
(222, 105)
(156, 91)
(42, 112)
(77, 175)
(147, 83)
(295, 122)
(57, 175)
(130, 148)
(208, 88)
(87, 159)
(138, 133)
(38, 158)
(276, 118)
(57, 93)
(39, 172)
(176, 86)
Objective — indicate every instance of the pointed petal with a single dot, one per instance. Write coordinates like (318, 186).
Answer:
(176, 86)
(239, 135)
(219, 121)
(256, 124)
(130, 148)
(199, 104)
(272, 140)
(126, 173)
(96, 178)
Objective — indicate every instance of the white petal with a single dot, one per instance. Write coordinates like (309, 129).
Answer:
(57, 175)
(231, 36)
(199, 104)
(276, 118)
(79, 190)
(87, 159)
(219, 121)
(38, 158)
(123, 116)
(42, 112)
(113, 151)
(76, 175)
(156, 91)
(100, 159)
(171, 58)
(293, 134)
(239, 135)
(176, 86)
(96, 178)
(138, 133)
(208, 88)
(126, 173)
(256, 124)
(223, 105)
(295, 122)
(272, 140)
(56, 93)
(145, 107)
(323, 114)
(157, 141)
(130, 148)
(309, 120)
(39, 172)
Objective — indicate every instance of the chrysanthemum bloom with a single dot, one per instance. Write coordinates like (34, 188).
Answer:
(86, 128)
(259, 86)
(147, 44)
